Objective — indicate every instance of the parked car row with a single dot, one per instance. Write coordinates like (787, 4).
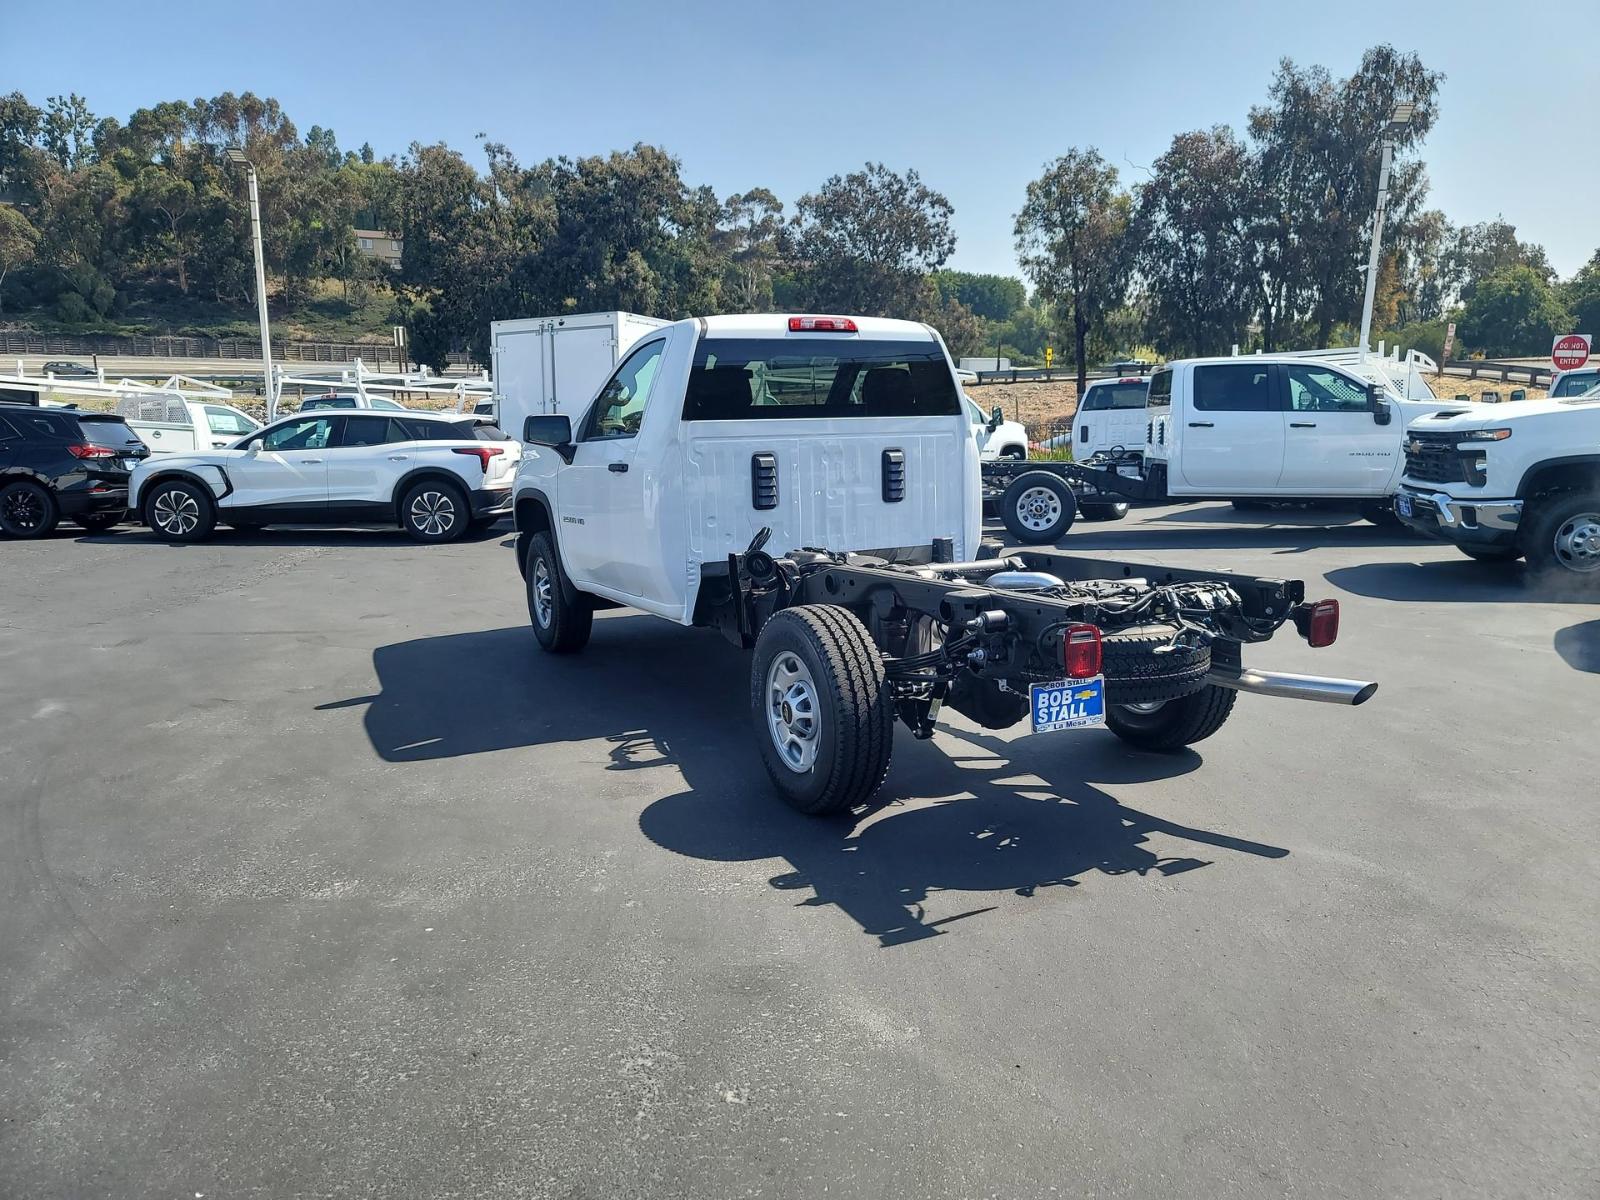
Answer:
(435, 475)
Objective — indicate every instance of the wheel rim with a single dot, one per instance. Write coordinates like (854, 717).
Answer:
(792, 712)
(1038, 508)
(433, 513)
(543, 595)
(176, 512)
(1577, 542)
(22, 510)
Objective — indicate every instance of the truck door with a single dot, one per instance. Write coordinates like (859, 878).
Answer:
(1230, 432)
(604, 530)
(1333, 446)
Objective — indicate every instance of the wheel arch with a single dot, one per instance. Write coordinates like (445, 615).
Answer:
(165, 474)
(420, 475)
(534, 514)
(1560, 474)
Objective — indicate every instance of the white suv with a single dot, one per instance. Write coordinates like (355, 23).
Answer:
(436, 475)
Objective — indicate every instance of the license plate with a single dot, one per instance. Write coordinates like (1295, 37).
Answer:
(1068, 704)
(1402, 505)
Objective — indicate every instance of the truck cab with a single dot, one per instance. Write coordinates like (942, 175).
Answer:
(848, 433)
(1279, 427)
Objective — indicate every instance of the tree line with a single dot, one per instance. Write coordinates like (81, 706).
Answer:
(1256, 239)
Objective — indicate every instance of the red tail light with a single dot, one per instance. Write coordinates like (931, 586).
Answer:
(821, 325)
(91, 452)
(482, 453)
(1080, 651)
(1318, 623)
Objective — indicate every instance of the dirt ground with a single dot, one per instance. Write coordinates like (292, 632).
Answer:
(1036, 405)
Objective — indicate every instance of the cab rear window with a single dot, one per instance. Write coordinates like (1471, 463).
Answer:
(1115, 395)
(738, 379)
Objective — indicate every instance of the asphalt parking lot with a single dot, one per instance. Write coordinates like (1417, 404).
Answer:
(320, 880)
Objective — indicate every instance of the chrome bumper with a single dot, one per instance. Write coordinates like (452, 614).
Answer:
(1453, 513)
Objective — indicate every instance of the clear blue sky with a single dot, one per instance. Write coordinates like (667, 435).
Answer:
(976, 96)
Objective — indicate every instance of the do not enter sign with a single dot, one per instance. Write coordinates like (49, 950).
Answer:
(1570, 351)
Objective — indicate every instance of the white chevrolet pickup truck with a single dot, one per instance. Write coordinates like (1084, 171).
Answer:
(809, 486)
(1511, 481)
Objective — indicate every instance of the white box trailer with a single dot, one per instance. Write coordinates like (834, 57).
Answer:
(550, 365)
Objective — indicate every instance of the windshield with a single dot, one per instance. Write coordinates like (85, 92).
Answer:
(775, 378)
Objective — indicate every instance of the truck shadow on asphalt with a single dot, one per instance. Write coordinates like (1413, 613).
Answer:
(976, 814)
(1221, 528)
(1457, 581)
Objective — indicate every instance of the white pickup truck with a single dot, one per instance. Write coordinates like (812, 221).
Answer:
(1265, 428)
(170, 424)
(1511, 481)
(809, 486)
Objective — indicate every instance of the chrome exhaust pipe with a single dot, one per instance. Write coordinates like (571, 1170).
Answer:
(1294, 687)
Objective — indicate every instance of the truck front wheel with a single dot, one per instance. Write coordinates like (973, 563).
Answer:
(1038, 508)
(1561, 536)
(562, 616)
(821, 709)
(1168, 726)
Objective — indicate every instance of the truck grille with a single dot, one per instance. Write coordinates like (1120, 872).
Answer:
(1433, 458)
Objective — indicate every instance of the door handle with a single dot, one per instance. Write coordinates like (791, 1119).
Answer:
(1302, 424)
(398, 457)
(1202, 425)
(618, 467)
(310, 460)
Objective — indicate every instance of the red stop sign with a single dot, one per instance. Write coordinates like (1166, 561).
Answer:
(1570, 352)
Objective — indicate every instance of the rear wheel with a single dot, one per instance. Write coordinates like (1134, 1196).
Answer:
(821, 708)
(1170, 725)
(179, 511)
(434, 511)
(27, 510)
(1038, 508)
(562, 616)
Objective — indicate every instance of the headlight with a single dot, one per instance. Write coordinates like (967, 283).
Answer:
(1485, 435)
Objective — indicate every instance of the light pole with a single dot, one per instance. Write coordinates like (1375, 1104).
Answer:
(237, 157)
(1398, 120)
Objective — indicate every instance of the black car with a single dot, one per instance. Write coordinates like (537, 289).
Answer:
(69, 370)
(60, 462)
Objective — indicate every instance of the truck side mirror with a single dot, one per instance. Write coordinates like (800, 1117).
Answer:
(996, 418)
(552, 431)
(255, 445)
(1382, 410)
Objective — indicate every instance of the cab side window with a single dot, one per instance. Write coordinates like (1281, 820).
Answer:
(1232, 387)
(619, 409)
(1317, 389)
